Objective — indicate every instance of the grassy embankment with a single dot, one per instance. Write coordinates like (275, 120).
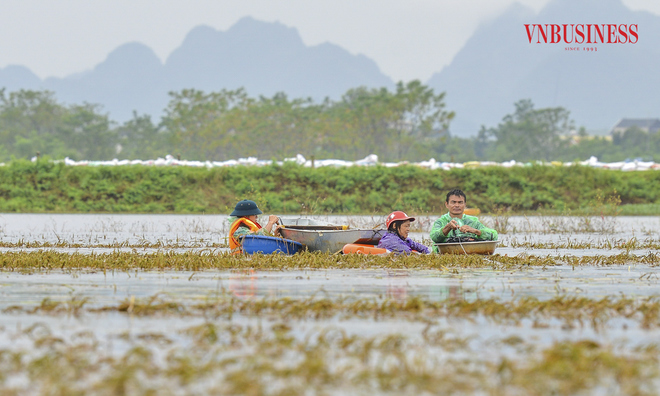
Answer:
(55, 188)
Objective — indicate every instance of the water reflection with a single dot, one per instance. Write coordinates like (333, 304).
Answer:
(243, 284)
(397, 287)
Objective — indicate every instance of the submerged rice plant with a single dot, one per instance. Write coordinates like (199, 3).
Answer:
(570, 310)
(209, 260)
(229, 359)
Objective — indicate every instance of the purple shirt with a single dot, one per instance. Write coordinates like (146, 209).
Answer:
(394, 243)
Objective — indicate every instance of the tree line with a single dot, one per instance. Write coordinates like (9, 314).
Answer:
(410, 122)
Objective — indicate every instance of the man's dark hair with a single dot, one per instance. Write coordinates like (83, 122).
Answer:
(457, 193)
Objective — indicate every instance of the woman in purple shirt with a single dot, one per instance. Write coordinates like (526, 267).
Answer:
(396, 240)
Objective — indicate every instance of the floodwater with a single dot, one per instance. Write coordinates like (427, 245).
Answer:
(150, 233)
(144, 234)
(167, 232)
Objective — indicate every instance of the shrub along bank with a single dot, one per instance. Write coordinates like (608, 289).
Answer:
(45, 186)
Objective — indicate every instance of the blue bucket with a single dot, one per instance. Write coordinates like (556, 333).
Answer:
(267, 245)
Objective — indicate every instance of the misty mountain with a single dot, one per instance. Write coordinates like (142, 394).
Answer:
(13, 78)
(131, 78)
(498, 66)
(264, 58)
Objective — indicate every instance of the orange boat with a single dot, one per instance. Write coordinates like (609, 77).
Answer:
(472, 211)
(358, 248)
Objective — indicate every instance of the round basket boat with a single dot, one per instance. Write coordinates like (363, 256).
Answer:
(475, 247)
(268, 245)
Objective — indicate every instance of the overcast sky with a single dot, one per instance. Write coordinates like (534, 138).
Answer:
(408, 39)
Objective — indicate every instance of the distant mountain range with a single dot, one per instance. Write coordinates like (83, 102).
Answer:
(262, 57)
(496, 67)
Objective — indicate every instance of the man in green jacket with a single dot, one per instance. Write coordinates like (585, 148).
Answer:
(457, 224)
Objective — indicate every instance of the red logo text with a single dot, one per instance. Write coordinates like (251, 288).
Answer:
(582, 33)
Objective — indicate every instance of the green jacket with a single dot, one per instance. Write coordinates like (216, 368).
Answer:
(487, 234)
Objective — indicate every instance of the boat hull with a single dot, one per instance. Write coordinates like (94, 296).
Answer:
(476, 247)
(268, 245)
(331, 241)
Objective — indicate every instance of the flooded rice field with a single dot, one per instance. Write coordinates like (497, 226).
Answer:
(153, 304)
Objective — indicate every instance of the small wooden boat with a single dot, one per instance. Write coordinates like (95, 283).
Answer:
(475, 247)
(359, 248)
(330, 239)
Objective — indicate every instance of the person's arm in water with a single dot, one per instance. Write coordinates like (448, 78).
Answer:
(418, 247)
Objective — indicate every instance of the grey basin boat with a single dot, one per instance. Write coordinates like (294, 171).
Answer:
(476, 247)
(330, 239)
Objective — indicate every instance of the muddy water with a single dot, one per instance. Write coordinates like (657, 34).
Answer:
(90, 230)
(85, 232)
(107, 233)
(542, 283)
(99, 233)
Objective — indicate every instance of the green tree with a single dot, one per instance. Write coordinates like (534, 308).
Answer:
(30, 122)
(88, 133)
(140, 138)
(600, 147)
(635, 142)
(229, 124)
(205, 126)
(34, 122)
(455, 149)
(423, 119)
(528, 134)
(283, 127)
(395, 125)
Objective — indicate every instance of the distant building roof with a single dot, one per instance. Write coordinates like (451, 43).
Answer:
(646, 124)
